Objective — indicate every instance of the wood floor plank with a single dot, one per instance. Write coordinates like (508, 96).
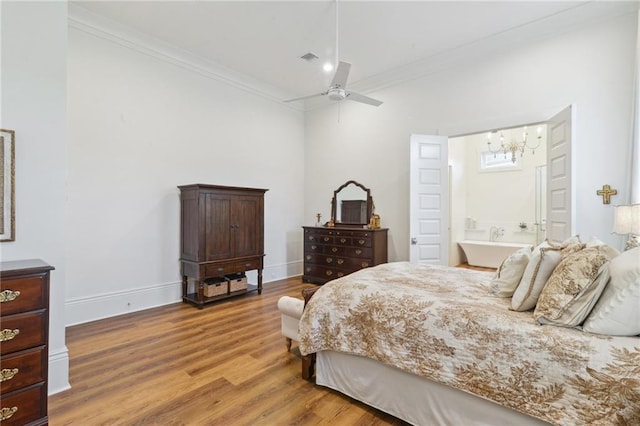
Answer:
(226, 364)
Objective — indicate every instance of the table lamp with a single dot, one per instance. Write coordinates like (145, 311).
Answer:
(627, 222)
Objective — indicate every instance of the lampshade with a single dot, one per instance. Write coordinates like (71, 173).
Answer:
(627, 219)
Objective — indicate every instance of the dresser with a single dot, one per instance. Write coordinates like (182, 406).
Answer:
(24, 337)
(222, 233)
(331, 253)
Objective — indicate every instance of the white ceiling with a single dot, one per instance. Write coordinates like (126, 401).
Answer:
(386, 41)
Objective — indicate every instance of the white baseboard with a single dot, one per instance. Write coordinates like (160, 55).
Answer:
(106, 305)
(58, 371)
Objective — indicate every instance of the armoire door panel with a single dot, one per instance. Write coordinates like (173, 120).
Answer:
(218, 227)
(247, 226)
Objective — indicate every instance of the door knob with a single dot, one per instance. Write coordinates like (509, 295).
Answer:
(414, 241)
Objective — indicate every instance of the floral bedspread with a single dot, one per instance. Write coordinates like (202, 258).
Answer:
(441, 323)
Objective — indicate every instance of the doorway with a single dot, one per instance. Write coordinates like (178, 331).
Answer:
(554, 189)
(496, 192)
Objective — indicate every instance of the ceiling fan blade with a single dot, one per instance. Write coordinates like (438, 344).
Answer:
(341, 75)
(305, 97)
(362, 98)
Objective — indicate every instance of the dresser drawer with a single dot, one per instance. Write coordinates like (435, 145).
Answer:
(359, 252)
(354, 264)
(322, 272)
(22, 369)
(25, 405)
(361, 241)
(343, 241)
(326, 239)
(319, 239)
(314, 248)
(22, 294)
(22, 331)
(334, 250)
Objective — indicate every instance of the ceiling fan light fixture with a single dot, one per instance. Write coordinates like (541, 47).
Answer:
(327, 67)
(336, 94)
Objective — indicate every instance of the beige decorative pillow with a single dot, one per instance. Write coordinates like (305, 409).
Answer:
(542, 263)
(510, 273)
(617, 313)
(573, 288)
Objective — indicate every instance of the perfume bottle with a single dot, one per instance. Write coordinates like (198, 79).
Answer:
(318, 222)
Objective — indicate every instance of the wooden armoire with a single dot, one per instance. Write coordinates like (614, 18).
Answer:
(222, 233)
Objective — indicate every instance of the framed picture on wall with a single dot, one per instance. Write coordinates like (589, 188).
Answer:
(7, 185)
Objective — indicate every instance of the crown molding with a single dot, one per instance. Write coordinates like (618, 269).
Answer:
(88, 22)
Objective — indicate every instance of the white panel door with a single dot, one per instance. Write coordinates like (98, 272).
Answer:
(560, 197)
(429, 200)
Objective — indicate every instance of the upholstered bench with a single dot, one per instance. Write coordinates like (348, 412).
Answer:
(291, 311)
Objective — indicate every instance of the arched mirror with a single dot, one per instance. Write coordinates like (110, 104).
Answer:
(351, 205)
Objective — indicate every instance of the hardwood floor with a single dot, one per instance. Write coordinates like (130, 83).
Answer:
(476, 268)
(226, 364)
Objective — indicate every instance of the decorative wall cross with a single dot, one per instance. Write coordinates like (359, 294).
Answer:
(606, 192)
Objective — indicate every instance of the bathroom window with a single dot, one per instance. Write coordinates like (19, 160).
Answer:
(490, 162)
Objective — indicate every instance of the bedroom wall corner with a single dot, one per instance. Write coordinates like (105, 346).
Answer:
(34, 102)
(143, 120)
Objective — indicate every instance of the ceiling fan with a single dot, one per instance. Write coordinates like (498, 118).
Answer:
(337, 89)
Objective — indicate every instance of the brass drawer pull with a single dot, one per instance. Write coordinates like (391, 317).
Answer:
(329, 259)
(308, 257)
(7, 334)
(340, 274)
(247, 265)
(8, 296)
(340, 261)
(7, 374)
(343, 240)
(220, 269)
(361, 242)
(358, 252)
(308, 269)
(334, 249)
(365, 264)
(6, 413)
(329, 273)
(326, 239)
(312, 238)
(313, 247)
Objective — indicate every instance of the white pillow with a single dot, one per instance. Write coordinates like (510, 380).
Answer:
(608, 250)
(573, 288)
(510, 273)
(617, 313)
(542, 263)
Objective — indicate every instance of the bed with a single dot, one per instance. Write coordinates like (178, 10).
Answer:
(430, 345)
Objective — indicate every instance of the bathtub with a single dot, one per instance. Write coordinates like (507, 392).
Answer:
(488, 254)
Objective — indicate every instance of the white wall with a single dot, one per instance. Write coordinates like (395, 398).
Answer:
(139, 126)
(591, 68)
(33, 82)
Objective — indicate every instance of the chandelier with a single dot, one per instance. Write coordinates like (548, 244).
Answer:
(514, 146)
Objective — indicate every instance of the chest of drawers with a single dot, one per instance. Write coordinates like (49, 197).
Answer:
(24, 336)
(331, 253)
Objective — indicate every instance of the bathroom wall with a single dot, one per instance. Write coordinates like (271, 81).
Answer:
(457, 197)
(503, 197)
